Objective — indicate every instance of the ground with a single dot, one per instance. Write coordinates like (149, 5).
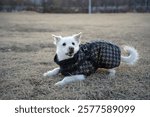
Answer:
(27, 51)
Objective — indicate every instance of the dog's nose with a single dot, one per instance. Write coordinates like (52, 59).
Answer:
(71, 49)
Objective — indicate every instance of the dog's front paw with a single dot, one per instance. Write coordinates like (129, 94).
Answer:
(48, 74)
(59, 84)
(45, 74)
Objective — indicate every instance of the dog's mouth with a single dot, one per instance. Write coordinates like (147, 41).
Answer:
(70, 54)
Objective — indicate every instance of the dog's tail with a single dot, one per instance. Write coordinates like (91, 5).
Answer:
(132, 57)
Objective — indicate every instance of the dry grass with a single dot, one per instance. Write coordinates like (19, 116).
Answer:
(27, 50)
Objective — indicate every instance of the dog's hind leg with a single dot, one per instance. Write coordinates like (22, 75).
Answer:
(70, 79)
(112, 72)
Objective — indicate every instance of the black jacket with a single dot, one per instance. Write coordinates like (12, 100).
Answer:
(90, 57)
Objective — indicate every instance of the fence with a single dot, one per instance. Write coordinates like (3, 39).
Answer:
(75, 6)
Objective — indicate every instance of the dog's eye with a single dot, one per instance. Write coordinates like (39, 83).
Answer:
(73, 43)
(64, 44)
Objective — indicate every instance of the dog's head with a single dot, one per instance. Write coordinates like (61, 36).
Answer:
(67, 47)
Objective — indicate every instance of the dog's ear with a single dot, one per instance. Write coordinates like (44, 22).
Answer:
(56, 38)
(77, 37)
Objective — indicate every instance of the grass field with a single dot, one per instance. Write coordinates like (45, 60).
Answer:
(27, 51)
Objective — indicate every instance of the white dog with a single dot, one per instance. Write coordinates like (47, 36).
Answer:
(69, 57)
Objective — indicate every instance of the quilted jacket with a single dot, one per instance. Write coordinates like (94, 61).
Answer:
(90, 57)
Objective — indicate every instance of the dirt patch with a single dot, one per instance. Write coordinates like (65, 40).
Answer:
(27, 51)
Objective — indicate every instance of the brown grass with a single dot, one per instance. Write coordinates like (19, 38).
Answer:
(27, 51)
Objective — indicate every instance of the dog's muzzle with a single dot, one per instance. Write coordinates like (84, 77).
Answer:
(71, 51)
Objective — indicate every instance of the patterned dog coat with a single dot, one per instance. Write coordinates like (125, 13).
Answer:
(90, 57)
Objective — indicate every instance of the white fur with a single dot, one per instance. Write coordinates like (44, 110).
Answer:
(133, 55)
(62, 51)
(112, 72)
(70, 79)
(52, 72)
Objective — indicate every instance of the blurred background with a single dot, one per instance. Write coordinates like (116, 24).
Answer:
(75, 6)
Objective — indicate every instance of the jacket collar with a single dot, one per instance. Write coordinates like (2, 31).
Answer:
(66, 62)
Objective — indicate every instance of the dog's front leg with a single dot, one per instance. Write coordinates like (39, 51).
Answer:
(69, 79)
(52, 72)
